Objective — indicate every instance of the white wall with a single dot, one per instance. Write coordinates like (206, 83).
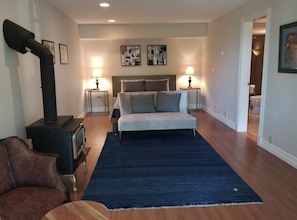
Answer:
(180, 53)
(70, 78)
(220, 78)
(20, 92)
(16, 92)
(138, 31)
(280, 121)
(185, 46)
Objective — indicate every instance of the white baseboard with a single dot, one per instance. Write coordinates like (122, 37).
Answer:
(98, 109)
(95, 110)
(221, 118)
(82, 115)
(276, 151)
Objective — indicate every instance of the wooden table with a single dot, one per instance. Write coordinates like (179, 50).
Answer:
(78, 210)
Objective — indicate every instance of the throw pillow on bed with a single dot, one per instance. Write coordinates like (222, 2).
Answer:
(156, 85)
(143, 103)
(132, 85)
(168, 102)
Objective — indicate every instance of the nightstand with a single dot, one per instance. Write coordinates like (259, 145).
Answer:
(102, 93)
(197, 95)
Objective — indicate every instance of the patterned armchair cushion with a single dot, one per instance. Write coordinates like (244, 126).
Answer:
(29, 202)
(30, 185)
(6, 183)
(31, 168)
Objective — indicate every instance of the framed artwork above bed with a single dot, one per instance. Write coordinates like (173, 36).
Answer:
(130, 55)
(156, 55)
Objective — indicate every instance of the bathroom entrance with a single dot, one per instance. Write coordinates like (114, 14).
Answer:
(248, 24)
(256, 72)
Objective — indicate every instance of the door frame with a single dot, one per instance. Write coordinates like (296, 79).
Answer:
(244, 71)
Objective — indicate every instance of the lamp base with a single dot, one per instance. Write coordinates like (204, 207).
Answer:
(190, 80)
(97, 84)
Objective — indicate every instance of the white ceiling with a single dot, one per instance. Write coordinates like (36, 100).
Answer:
(146, 11)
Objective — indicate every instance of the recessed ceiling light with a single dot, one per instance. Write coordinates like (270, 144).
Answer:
(104, 4)
(111, 20)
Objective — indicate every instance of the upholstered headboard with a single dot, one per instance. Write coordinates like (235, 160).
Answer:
(116, 81)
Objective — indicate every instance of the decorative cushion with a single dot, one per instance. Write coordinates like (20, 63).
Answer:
(30, 184)
(5, 171)
(41, 170)
(143, 103)
(156, 85)
(29, 202)
(132, 85)
(168, 102)
(183, 103)
(125, 100)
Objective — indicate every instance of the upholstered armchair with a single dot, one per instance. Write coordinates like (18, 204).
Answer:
(30, 185)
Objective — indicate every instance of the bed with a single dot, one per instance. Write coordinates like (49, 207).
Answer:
(131, 84)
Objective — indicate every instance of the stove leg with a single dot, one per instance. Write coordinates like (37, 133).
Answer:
(73, 179)
(85, 166)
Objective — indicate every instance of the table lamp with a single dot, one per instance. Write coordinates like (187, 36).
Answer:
(189, 71)
(96, 74)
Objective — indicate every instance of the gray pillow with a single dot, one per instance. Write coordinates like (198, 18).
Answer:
(143, 103)
(167, 102)
(155, 85)
(133, 86)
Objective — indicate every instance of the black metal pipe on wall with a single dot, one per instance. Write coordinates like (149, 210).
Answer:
(23, 41)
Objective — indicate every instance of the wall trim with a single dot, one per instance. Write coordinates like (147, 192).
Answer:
(82, 115)
(279, 153)
(222, 119)
(276, 151)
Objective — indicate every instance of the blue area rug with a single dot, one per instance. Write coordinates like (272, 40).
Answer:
(164, 169)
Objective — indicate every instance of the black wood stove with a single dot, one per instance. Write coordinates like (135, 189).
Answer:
(61, 135)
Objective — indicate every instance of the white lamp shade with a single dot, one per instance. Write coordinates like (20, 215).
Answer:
(190, 70)
(96, 73)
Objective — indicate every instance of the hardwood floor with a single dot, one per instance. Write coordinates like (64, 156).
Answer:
(253, 127)
(272, 179)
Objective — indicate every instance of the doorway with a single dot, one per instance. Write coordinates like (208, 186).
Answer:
(256, 72)
(245, 71)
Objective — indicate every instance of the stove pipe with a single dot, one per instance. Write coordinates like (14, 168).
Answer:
(23, 41)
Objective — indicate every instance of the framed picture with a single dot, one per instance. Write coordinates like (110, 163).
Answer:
(63, 54)
(130, 55)
(156, 55)
(287, 60)
(51, 46)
